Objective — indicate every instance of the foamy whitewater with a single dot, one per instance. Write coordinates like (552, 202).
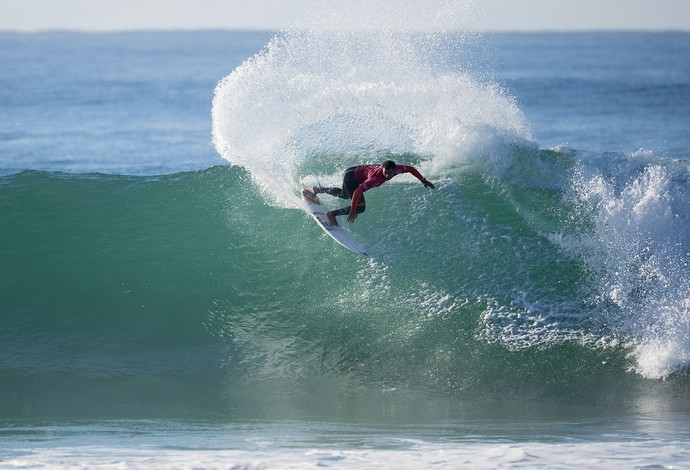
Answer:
(167, 303)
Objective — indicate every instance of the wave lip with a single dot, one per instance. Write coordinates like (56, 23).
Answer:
(346, 98)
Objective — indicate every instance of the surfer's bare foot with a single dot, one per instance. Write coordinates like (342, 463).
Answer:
(310, 197)
(331, 219)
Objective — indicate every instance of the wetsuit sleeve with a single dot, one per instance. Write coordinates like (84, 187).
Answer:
(417, 174)
(355, 198)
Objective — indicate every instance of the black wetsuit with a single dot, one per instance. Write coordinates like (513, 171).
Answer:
(350, 184)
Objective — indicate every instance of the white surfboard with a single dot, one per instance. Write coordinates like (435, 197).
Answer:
(318, 212)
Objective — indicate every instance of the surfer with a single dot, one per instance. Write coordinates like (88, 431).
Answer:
(358, 179)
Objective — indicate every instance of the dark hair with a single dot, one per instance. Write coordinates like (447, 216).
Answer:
(388, 164)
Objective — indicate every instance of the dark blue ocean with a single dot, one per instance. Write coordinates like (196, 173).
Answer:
(166, 302)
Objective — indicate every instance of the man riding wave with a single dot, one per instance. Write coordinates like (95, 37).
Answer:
(359, 179)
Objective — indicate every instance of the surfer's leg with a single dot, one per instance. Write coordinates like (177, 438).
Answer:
(337, 192)
(349, 185)
(361, 207)
(331, 218)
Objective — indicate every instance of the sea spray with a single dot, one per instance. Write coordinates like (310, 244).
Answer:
(634, 239)
(318, 100)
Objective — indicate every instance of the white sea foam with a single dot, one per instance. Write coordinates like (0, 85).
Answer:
(613, 454)
(637, 247)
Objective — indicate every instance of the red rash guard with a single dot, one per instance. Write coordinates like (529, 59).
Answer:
(371, 176)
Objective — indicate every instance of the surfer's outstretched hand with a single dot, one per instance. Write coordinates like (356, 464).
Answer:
(353, 215)
(428, 184)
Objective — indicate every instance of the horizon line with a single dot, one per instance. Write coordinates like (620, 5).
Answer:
(287, 29)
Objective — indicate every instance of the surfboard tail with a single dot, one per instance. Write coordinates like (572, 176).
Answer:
(310, 196)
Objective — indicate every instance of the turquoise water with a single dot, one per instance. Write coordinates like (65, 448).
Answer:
(157, 299)
(118, 288)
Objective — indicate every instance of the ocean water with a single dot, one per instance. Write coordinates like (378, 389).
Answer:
(166, 303)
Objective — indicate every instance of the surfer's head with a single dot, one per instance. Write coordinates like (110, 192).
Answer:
(388, 169)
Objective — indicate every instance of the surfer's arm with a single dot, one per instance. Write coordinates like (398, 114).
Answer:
(419, 176)
(355, 202)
